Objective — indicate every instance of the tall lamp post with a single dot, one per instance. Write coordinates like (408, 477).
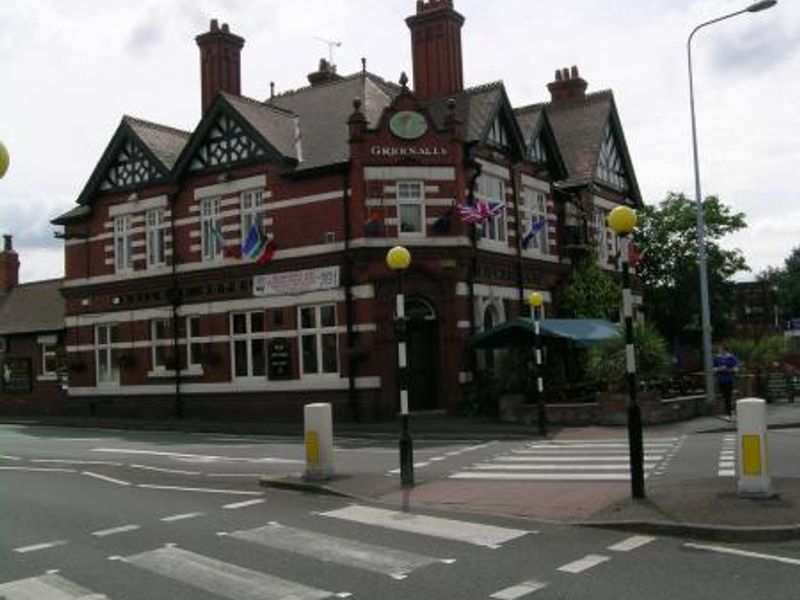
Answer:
(622, 221)
(535, 300)
(705, 310)
(398, 259)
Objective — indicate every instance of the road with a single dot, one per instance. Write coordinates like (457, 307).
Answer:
(96, 514)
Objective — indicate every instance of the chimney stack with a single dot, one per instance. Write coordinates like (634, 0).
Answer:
(325, 74)
(9, 266)
(220, 62)
(567, 86)
(436, 49)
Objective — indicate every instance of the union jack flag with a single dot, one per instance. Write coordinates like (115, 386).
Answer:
(481, 211)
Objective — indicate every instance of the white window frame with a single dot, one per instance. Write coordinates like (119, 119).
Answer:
(210, 248)
(494, 230)
(48, 350)
(156, 232)
(318, 332)
(534, 206)
(252, 207)
(192, 338)
(250, 338)
(157, 342)
(409, 200)
(123, 243)
(105, 349)
(603, 235)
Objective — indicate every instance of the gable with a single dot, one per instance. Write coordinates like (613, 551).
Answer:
(131, 167)
(227, 142)
(501, 128)
(537, 152)
(611, 169)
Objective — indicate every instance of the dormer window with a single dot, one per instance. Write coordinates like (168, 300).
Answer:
(610, 168)
(537, 153)
(497, 134)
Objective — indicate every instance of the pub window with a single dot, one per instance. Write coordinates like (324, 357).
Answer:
(319, 346)
(492, 190)
(533, 212)
(410, 207)
(252, 210)
(160, 343)
(210, 232)
(247, 339)
(49, 361)
(106, 367)
(123, 243)
(156, 232)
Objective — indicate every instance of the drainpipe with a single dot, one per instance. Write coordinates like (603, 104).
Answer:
(516, 181)
(473, 262)
(347, 280)
(175, 300)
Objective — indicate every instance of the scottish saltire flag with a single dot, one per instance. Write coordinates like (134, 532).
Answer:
(481, 211)
(534, 228)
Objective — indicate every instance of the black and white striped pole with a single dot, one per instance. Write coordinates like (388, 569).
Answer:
(398, 259)
(535, 301)
(622, 221)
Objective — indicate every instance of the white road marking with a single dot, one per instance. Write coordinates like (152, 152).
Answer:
(615, 440)
(115, 530)
(181, 517)
(177, 488)
(69, 461)
(218, 577)
(37, 547)
(39, 469)
(196, 457)
(519, 590)
(631, 543)
(7, 457)
(379, 559)
(47, 587)
(244, 503)
(418, 465)
(745, 553)
(543, 476)
(548, 467)
(584, 564)
(106, 478)
(163, 470)
(582, 459)
(464, 531)
(247, 475)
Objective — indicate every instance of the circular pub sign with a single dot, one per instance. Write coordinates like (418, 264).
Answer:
(408, 125)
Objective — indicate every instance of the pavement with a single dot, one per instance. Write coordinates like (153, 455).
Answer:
(701, 508)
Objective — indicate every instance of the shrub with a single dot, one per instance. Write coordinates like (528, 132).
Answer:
(606, 362)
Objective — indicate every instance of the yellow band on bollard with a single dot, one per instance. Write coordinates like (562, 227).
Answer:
(312, 448)
(751, 455)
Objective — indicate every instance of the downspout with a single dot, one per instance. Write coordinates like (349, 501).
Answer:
(347, 280)
(175, 300)
(473, 263)
(516, 178)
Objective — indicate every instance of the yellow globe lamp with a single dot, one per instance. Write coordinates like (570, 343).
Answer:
(4, 160)
(535, 299)
(398, 258)
(622, 220)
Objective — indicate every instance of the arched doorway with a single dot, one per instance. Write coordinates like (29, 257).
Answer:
(422, 338)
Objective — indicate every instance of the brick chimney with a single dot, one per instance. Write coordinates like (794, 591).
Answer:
(9, 266)
(568, 85)
(220, 68)
(325, 74)
(436, 49)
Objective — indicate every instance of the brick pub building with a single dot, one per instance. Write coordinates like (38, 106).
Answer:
(166, 317)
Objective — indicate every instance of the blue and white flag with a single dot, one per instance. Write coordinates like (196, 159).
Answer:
(535, 227)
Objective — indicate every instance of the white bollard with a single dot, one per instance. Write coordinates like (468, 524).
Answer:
(752, 467)
(319, 441)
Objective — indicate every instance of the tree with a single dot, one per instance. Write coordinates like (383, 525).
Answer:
(667, 236)
(786, 281)
(591, 293)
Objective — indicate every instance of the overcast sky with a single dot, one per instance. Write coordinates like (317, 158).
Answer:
(69, 70)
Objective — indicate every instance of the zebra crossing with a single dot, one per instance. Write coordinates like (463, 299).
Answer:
(726, 466)
(605, 460)
(186, 566)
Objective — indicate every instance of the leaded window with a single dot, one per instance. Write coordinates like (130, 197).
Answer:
(156, 236)
(130, 168)
(411, 207)
(227, 143)
(123, 243)
(211, 237)
(610, 166)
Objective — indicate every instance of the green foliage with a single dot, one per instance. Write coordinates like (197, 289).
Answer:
(512, 370)
(786, 281)
(757, 356)
(667, 235)
(591, 293)
(606, 363)
(480, 397)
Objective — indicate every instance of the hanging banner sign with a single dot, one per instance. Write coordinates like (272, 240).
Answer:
(296, 282)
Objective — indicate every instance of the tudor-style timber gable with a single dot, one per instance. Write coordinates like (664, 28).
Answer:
(132, 167)
(227, 143)
(610, 164)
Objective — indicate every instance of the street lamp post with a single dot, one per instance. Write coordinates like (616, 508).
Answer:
(535, 301)
(705, 309)
(398, 259)
(622, 221)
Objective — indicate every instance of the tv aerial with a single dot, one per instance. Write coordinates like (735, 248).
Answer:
(331, 45)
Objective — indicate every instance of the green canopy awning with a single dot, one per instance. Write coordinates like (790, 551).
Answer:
(519, 331)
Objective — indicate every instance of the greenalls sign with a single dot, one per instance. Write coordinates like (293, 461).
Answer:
(392, 151)
(408, 125)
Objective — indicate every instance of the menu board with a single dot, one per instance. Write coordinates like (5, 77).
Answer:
(279, 358)
(16, 375)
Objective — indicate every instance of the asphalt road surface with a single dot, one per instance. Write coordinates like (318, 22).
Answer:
(92, 514)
